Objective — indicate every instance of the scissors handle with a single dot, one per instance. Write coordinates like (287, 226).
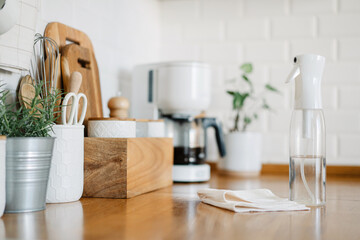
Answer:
(83, 110)
(73, 108)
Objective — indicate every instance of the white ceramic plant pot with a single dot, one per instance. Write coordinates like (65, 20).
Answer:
(243, 154)
(2, 174)
(66, 178)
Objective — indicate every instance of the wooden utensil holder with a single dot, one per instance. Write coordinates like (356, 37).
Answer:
(126, 167)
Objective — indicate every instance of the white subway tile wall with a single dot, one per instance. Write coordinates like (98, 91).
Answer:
(269, 34)
(224, 33)
(123, 33)
(16, 44)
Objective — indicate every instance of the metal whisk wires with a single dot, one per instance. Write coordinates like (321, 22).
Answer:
(44, 63)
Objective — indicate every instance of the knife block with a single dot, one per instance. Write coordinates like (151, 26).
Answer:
(126, 167)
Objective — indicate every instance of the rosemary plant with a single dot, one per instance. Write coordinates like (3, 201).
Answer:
(32, 119)
(243, 116)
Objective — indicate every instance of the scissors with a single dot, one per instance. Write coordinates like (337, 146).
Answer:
(73, 118)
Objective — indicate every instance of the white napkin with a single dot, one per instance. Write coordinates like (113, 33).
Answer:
(258, 200)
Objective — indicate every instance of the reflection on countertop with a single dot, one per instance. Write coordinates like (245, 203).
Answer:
(58, 221)
(175, 212)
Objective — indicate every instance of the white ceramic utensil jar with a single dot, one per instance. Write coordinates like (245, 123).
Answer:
(66, 180)
(2, 174)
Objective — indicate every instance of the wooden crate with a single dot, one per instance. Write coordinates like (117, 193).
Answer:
(126, 167)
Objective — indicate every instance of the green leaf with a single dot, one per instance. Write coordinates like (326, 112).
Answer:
(239, 99)
(256, 116)
(246, 79)
(271, 88)
(35, 121)
(231, 93)
(247, 120)
(247, 67)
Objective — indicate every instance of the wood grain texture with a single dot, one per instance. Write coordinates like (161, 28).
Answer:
(62, 33)
(79, 60)
(175, 212)
(124, 168)
(149, 165)
(331, 170)
(283, 169)
(105, 167)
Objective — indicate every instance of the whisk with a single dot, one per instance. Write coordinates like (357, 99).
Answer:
(44, 64)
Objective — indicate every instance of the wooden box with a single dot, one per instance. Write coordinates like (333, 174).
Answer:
(126, 167)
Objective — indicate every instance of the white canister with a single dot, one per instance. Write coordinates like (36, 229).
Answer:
(156, 128)
(2, 174)
(111, 128)
(66, 180)
(243, 154)
(150, 128)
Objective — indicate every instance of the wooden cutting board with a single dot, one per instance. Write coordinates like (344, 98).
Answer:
(79, 59)
(82, 60)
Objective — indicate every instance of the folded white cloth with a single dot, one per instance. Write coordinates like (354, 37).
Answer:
(258, 200)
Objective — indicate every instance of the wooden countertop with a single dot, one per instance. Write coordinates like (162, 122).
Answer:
(176, 213)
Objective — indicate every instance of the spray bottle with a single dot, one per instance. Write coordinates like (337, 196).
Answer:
(307, 169)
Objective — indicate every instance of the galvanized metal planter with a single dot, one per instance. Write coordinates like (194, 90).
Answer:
(28, 163)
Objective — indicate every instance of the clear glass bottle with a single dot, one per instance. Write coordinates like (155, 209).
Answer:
(307, 170)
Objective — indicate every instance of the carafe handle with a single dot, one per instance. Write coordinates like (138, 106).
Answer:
(212, 122)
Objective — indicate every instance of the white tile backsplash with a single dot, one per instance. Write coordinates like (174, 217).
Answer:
(204, 31)
(269, 34)
(349, 6)
(123, 33)
(324, 47)
(265, 7)
(28, 16)
(349, 49)
(224, 33)
(313, 7)
(220, 9)
(270, 51)
(342, 25)
(221, 53)
(293, 27)
(247, 29)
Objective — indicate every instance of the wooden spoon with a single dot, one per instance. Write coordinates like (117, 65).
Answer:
(65, 70)
(24, 80)
(74, 85)
(27, 94)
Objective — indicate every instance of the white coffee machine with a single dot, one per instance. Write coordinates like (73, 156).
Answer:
(178, 92)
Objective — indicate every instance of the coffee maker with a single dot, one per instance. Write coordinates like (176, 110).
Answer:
(179, 92)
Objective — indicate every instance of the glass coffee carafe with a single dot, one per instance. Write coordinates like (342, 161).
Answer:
(189, 136)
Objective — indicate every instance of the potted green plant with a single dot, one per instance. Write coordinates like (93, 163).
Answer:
(28, 147)
(243, 147)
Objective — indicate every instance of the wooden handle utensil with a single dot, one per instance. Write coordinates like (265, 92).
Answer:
(73, 85)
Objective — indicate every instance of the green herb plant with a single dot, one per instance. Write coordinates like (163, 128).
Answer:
(33, 118)
(243, 116)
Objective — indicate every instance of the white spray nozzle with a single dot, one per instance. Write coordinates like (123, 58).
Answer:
(293, 74)
(307, 73)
